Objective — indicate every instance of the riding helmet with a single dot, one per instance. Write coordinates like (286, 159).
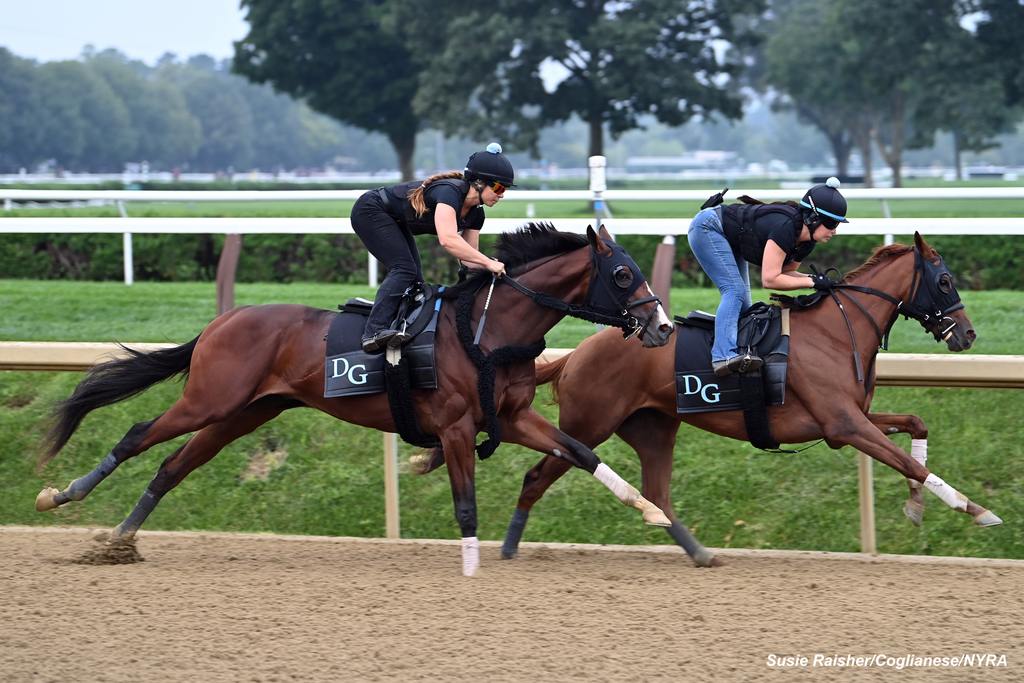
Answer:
(490, 164)
(826, 200)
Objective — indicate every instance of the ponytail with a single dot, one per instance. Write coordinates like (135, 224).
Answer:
(415, 195)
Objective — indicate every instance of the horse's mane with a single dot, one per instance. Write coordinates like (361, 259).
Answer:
(524, 245)
(533, 241)
(880, 254)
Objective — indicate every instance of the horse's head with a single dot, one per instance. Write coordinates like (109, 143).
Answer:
(934, 301)
(618, 288)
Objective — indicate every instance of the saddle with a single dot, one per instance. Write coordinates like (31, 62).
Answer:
(348, 371)
(764, 330)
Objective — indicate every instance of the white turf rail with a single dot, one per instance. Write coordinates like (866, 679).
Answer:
(724, 553)
(341, 225)
(894, 369)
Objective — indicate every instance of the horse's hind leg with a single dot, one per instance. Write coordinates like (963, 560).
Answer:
(188, 414)
(653, 435)
(892, 423)
(538, 480)
(199, 450)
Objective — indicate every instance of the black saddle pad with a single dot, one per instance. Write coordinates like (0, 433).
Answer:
(698, 390)
(348, 371)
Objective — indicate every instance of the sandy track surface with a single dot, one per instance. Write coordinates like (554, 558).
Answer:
(205, 607)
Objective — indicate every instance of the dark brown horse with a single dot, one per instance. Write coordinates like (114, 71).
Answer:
(635, 396)
(250, 364)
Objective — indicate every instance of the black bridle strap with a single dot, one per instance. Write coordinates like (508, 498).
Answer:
(583, 312)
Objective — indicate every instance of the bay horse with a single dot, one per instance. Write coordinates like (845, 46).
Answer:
(252, 363)
(635, 394)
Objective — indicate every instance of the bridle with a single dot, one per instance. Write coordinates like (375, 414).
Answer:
(928, 304)
(604, 304)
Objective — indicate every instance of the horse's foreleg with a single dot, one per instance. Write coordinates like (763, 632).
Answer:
(653, 436)
(199, 450)
(892, 423)
(528, 428)
(457, 446)
(857, 431)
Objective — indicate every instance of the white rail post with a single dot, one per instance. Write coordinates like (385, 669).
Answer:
(887, 214)
(598, 184)
(392, 527)
(866, 487)
(129, 266)
(371, 269)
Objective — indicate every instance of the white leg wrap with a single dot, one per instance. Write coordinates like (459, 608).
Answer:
(616, 484)
(919, 451)
(949, 495)
(470, 555)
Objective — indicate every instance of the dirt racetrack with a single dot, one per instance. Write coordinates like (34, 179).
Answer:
(219, 607)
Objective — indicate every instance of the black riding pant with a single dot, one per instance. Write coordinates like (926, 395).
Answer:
(393, 246)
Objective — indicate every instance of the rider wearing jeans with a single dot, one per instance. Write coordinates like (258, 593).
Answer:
(776, 237)
(449, 205)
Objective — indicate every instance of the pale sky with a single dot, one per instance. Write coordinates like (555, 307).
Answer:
(48, 30)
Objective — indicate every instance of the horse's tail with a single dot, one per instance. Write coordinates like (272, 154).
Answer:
(114, 381)
(552, 373)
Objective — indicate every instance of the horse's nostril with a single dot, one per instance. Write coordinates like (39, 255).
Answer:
(665, 328)
(971, 335)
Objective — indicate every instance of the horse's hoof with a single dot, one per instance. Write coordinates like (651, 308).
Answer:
(706, 559)
(45, 501)
(914, 512)
(653, 516)
(987, 518)
(418, 463)
(508, 554)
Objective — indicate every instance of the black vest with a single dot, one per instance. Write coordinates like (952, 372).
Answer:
(738, 225)
(400, 208)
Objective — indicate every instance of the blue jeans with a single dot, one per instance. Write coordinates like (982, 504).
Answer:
(728, 270)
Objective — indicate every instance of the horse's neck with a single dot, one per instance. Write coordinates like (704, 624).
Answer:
(884, 277)
(515, 319)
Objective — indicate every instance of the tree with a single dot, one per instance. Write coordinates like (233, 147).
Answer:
(614, 64)
(214, 97)
(344, 59)
(1000, 33)
(963, 95)
(82, 123)
(808, 77)
(163, 131)
(20, 109)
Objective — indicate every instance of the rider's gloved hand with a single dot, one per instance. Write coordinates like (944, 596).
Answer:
(822, 282)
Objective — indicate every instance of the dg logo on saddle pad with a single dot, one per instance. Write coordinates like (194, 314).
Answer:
(762, 328)
(348, 371)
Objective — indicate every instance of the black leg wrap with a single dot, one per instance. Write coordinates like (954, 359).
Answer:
(146, 504)
(514, 533)
(697, 552)
(80, 488)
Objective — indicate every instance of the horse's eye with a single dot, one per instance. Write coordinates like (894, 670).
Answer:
(623, 276)
(945, 283)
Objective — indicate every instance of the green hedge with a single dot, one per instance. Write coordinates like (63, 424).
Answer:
(980, 262)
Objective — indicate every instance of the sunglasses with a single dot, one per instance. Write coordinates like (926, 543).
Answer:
(496, 187)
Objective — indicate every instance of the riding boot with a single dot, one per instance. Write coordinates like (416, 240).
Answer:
(739, 364)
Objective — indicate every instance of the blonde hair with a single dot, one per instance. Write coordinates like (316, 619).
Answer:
(415, 195)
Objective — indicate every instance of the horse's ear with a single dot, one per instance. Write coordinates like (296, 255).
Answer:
(595, 242)
(605, 235)
(922, 246)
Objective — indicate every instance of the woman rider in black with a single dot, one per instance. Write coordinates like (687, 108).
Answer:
(449, 205)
